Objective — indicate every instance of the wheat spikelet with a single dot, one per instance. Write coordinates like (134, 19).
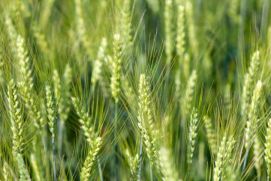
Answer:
(133, 162)
(64, 102)
(257, 154)
(228, 172)
(126, 25)
(24, 175)
(57, 86)
(145, 123)
(91, 158)
(116, 69)
(41, 40)
(12, 34)
(15, 117)
(46, 12)
(80, 26)
(50, 110)
(98, 62)
(17, 129)
(193, 41)
(62, 92)
(168, 18)
(188, 96)
(180, 47)
(84, 120)
(252, 115)
(211, 137)
(26, 84)
(192, 134)
(169, 170)
(249, 83)
(219, 160)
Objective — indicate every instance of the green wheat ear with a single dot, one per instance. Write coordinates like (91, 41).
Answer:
(223, 157)
(81, 27)
(249, 83)
(51, 110)
(116, 68)
(133, 162)
(180, 42)
(188, 96)
(146, 125)
(91, 158)
(251, 124)
(168, 18)
(26, 84)
(17, 128)
(192, 134)
(211, 137)
(99, 62)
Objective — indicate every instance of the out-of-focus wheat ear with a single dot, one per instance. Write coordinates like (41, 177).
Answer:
(192, 134)
(258, 150)
(252, 120)
(219, 160)
(98, 63)
(81, 27)
(35, 167)
(116, 68)
(133, 162)
(186, 66)
(46, 12)
(233, 10)
(129, 92)
(178, 84)
(249, 83)
(126, 25)
(167, 165)
(64, 104)
(267, 151)
(17, 128)
(24, 174)
(41, 40)
(12, 34)
(62, 92)
(227, 97)
(168, 19)
(5, 171)
(192, 34)
(228, 172)
(91, 159)
(180, 41)
(211, 136)
(57, 86)
(186, 102)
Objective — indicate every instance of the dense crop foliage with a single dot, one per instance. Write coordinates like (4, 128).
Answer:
(135, 90)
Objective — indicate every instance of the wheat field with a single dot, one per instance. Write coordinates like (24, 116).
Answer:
(142, 90)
